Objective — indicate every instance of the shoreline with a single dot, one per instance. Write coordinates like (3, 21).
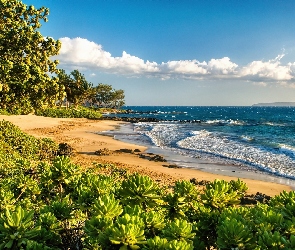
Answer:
(82, 135)
(204, 165)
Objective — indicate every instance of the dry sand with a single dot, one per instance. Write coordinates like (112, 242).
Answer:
(81, 135)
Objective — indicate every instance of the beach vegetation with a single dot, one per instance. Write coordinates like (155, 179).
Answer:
(26, 81)
(78, 91)
(51, 203)
(72, 112)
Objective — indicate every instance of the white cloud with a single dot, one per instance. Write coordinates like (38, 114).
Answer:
(270, 70)
(81, 53)
(192, 67)
(222, 66)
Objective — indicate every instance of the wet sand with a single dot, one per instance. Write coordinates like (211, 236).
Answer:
(82, 135)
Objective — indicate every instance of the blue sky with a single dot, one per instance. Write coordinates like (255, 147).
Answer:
(179, 52)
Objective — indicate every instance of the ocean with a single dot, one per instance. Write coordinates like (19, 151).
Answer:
(248, 139)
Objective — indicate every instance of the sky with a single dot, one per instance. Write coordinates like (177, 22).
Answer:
(179, 52)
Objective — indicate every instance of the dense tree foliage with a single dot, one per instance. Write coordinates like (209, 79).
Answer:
(29, 80)
(76, 87)
(26, 68)
(106, 96)
(78, 91)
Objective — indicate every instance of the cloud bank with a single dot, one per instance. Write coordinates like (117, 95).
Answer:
(81, 53)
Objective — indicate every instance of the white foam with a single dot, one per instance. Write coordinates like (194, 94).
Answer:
(274, 124)
(247, 138)
(207, 144)
(217, 145)
(223, 122)
(287, 149)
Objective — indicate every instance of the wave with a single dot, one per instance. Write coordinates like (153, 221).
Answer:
(274, 124)
(247, 138)
(225, 122)
(225, 147)
(199, 140)
(287, 149)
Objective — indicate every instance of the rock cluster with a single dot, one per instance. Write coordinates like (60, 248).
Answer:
(104, 151)
(64, 149)
(255, 198)
(153, 157)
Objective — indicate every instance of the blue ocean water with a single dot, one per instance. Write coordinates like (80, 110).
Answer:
(256, 137)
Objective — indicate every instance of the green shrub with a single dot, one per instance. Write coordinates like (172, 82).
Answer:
(80, 112)
(26, 146)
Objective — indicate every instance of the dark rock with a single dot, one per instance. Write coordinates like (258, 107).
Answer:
(104, 151)
(64, 149)
(126, 150)
(171, 166)
(152, 157)
(158, 158)
(199, 183)
(254, 199)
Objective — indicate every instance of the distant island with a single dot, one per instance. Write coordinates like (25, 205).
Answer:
(276, 104)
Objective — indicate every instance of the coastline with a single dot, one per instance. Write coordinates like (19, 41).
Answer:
(185, 161)
(82, 135)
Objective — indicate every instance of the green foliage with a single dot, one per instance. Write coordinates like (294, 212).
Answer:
(179, 230)
(4, 112)
(187, 190)
(78, 112)
(269, 240)
(107, 97)
(175, 205)
(239, 186)
(156, 243)
(62, 170)
(21, 144)
(55, 204)
(50, 229)
(128, 235)
(29, 79)
(140, 190)
(25, 82)
(154, 222)
(180, 201)
(179, 245)
(79, 91)
(220, 194)
(77, 88)
(283, 199)
(17, 228)
(234, 234)
(107, 206)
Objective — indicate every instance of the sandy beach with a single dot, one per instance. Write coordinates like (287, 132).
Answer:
(82, 135)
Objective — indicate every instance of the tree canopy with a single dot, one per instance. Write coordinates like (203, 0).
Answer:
(106, 96)
(29, 79)
(77, 88)
(79, 91)
(26, 80)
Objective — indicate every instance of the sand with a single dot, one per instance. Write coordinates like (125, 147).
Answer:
(82, 135)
